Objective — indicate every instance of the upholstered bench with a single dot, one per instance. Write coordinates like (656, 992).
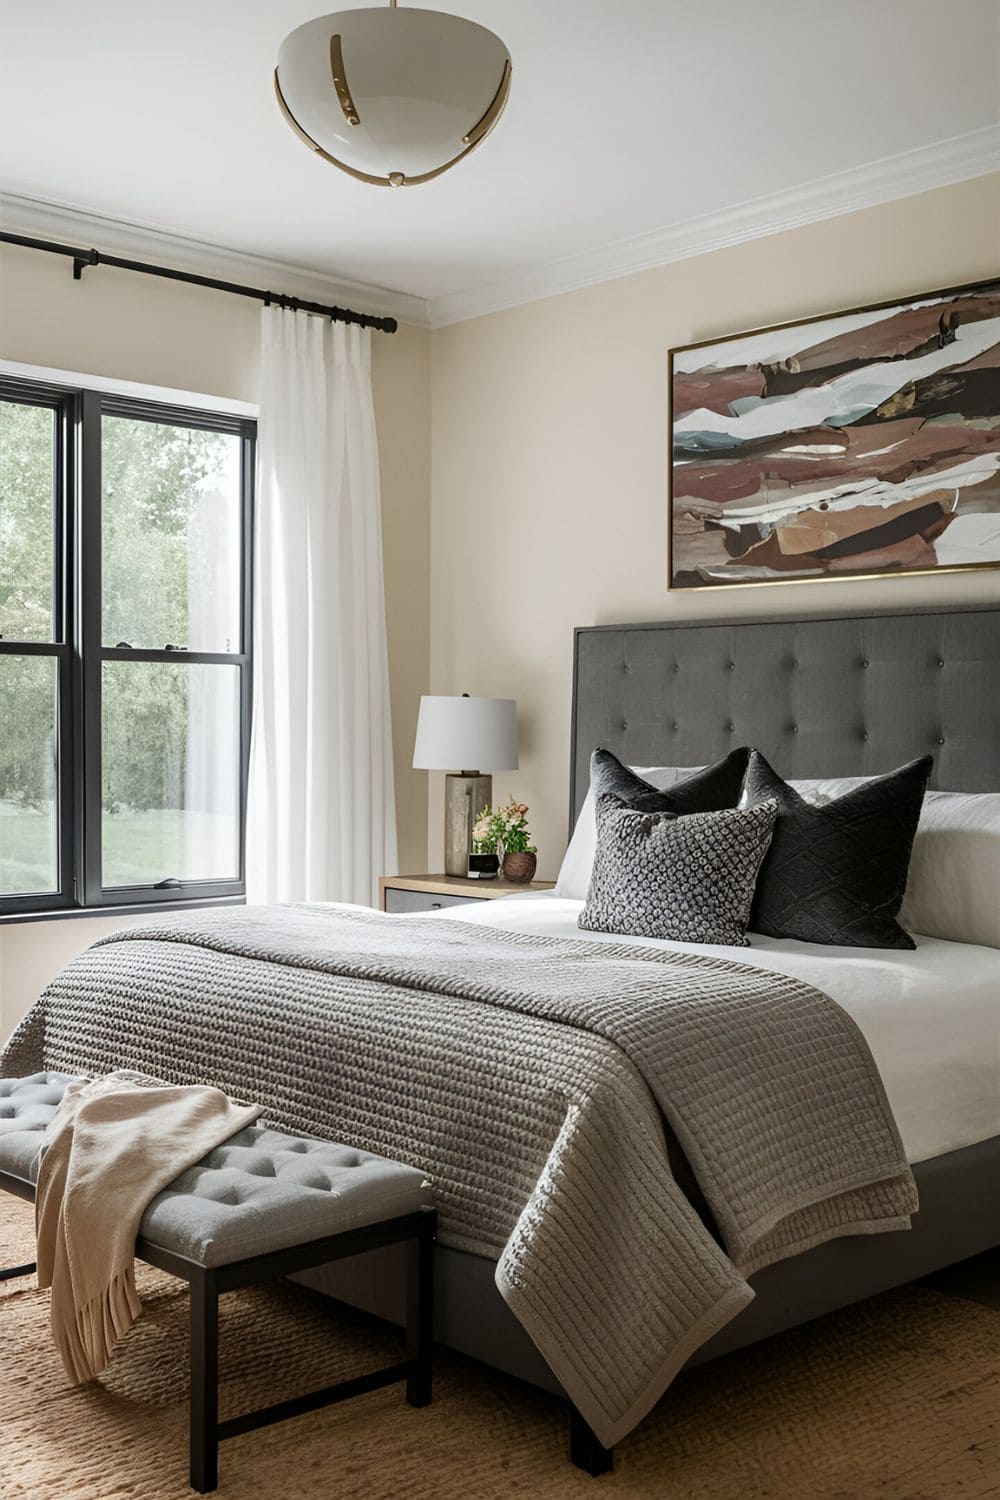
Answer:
(262, 1205)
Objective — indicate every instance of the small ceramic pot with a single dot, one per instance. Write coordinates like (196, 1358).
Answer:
(483, 866)
(519, 869)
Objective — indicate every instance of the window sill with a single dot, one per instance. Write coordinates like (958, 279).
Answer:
(135, 908)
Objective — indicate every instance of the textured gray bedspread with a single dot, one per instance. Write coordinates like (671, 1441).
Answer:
(527, 1076)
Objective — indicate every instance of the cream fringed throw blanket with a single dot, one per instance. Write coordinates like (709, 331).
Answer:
(113, 1145)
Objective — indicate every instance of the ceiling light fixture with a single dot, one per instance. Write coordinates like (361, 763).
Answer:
(392, 97)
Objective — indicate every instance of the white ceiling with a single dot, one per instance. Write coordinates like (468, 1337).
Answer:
(635, 130)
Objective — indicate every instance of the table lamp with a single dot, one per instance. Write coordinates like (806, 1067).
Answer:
(464, 731)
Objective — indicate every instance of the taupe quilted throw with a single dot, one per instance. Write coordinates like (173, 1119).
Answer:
(529, 1077)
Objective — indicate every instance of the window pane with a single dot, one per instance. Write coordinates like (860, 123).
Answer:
(27, 533)
(171, 536)
(170, 773)
(29, 838)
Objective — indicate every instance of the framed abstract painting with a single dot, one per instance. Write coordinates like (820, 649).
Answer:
(861, 444)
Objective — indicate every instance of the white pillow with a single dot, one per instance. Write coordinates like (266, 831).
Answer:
(829, 789)
(954, 887)
(578, 861)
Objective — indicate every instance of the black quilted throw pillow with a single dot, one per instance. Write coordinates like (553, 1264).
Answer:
(836, 873)
(708, 790)
(689, 879)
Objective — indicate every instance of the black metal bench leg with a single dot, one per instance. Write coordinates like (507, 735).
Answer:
(204, 1451)
(13, 1271)
(420, 1311)
(585, 1451)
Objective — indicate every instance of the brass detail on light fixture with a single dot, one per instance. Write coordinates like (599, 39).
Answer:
(340, 81)
(489, 119)
(304, 135)
(400, 181)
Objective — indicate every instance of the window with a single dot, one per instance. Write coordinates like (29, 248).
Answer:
(124, 650)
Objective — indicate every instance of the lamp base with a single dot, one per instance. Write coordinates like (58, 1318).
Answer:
(465, 797)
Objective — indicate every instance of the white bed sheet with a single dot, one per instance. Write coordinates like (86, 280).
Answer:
(930, 1017)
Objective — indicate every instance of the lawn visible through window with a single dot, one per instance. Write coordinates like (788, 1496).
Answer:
(171, 772)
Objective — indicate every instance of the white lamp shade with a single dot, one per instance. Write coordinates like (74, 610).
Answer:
(465, 734)
(392, 96)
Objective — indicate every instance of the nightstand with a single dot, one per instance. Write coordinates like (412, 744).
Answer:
(431, 892)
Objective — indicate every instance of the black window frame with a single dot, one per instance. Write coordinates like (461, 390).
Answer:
(77, 646)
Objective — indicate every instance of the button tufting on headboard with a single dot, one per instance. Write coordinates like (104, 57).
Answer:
(820, 696)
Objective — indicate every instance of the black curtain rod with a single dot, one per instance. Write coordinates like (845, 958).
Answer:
(84, 258)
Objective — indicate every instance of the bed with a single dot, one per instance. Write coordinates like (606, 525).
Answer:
(820, 697)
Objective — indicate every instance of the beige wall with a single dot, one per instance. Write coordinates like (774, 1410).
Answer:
(129, 327)
(550, 455)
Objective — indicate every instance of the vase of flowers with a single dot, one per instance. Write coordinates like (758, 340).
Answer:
(503, 831)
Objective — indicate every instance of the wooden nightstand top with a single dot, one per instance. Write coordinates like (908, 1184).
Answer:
(454, 885)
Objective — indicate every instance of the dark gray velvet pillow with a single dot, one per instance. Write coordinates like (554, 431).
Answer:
(690, 879)
(708, 790)
(836, 873)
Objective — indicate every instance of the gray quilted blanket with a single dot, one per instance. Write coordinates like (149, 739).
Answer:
(529, 1076)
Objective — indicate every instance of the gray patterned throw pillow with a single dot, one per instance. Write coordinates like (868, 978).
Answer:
(690, 879)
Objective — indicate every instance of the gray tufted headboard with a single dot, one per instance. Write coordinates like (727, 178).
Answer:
(820, 696)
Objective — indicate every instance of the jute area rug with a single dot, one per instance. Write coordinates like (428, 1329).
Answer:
(897, 1399)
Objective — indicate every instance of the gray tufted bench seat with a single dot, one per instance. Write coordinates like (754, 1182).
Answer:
(264, 1204)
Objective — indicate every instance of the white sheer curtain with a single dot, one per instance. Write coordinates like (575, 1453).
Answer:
(321, 822)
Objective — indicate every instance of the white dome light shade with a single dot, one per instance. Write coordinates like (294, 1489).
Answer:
(392, 97)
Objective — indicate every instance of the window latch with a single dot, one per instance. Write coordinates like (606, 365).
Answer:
(170, 884)
(169, 647)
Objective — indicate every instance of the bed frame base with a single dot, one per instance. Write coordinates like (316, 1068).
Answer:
(959, 1217)
(585, 1450)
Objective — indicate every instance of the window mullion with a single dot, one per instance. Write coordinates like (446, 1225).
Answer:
(88, 512)
(46, 842)
(71, 824)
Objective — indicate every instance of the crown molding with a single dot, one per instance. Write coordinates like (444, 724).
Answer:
(75, 226)
(927, 167)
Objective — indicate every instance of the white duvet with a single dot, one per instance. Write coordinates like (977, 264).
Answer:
(931, 1017)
